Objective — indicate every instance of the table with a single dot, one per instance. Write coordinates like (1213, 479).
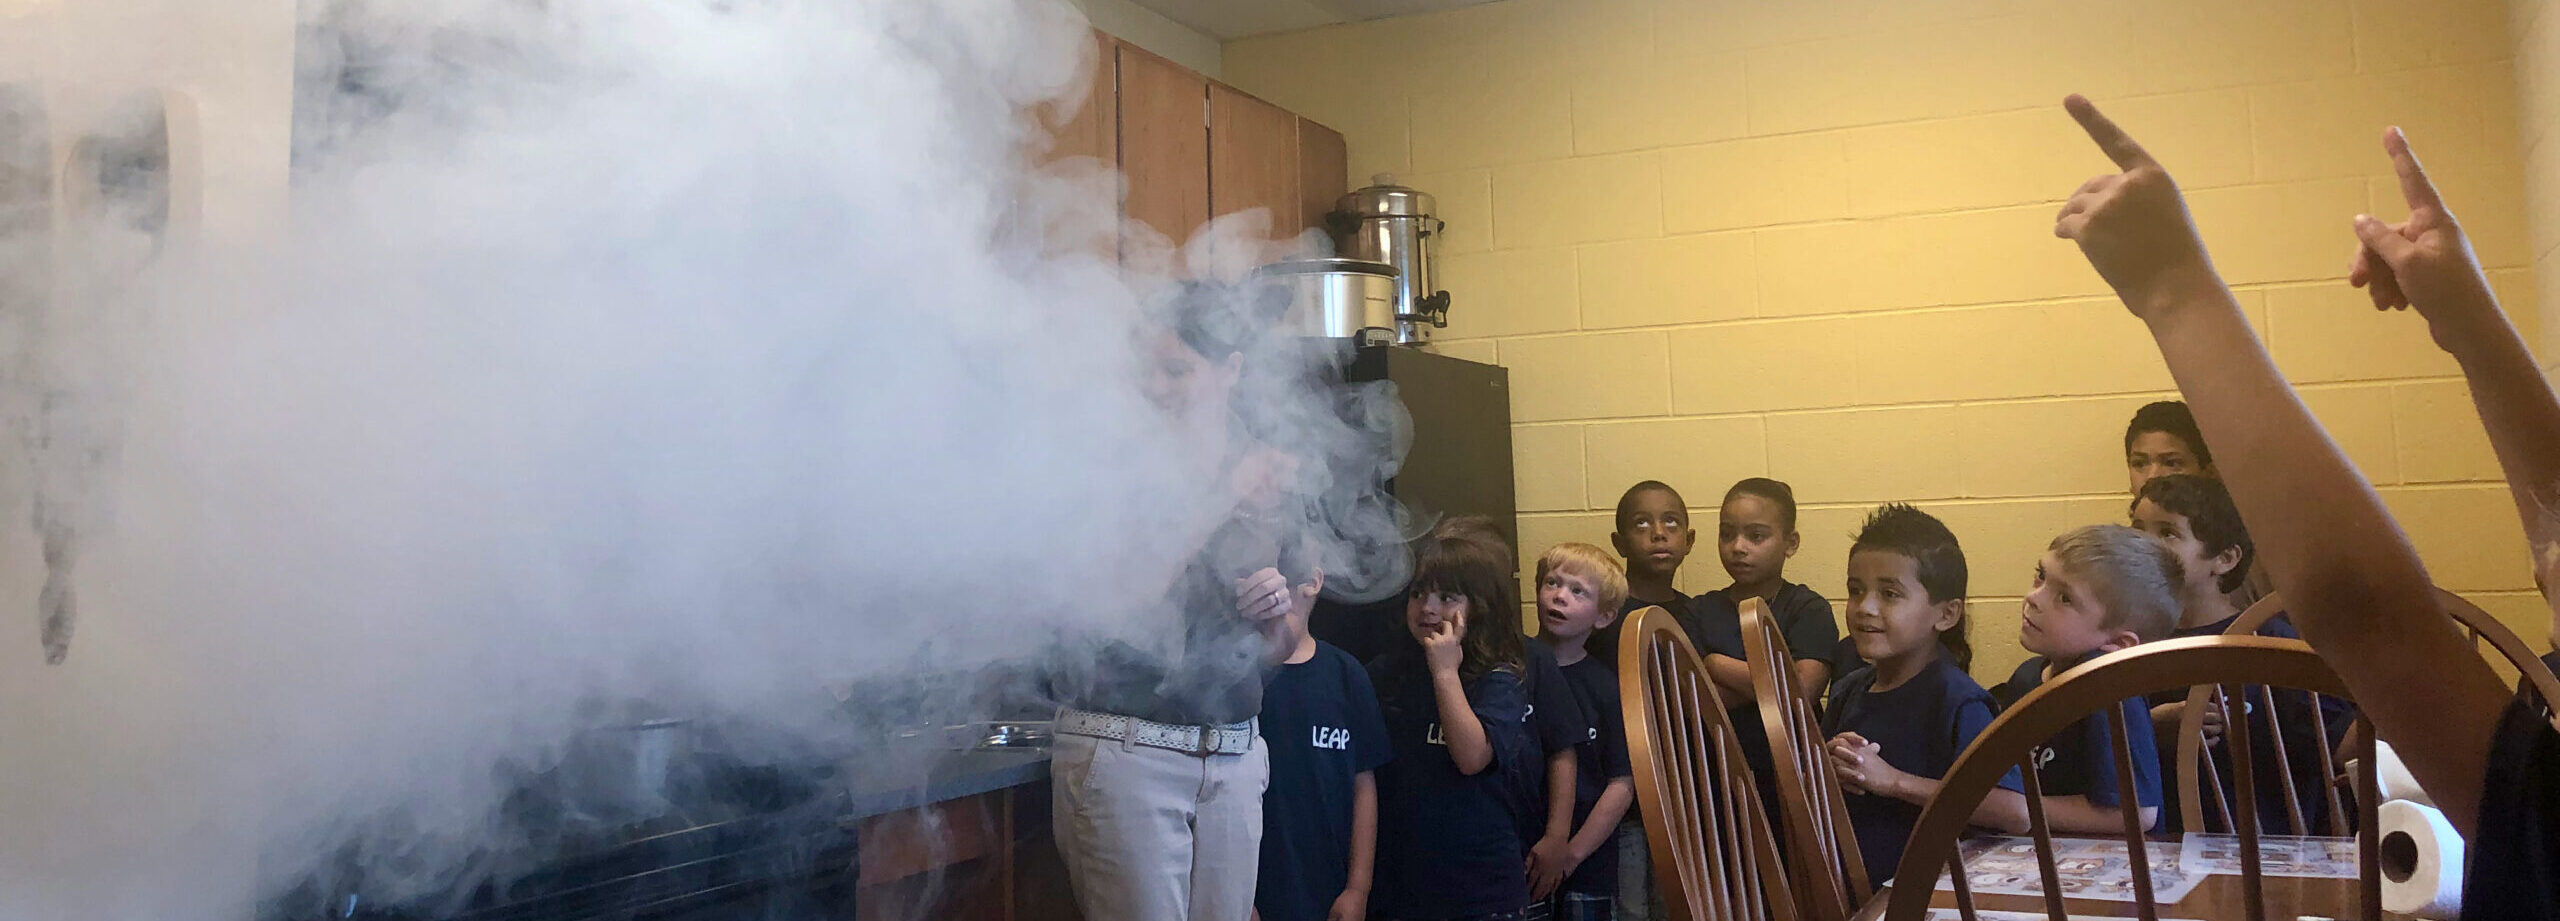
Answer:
(2217, 898)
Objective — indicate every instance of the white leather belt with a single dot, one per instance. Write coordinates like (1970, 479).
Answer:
(1229, 739)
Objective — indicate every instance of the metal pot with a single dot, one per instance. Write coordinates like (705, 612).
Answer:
(1338, 298)
(1393, 224)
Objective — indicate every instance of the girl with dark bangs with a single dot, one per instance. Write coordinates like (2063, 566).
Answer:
(1451, 807)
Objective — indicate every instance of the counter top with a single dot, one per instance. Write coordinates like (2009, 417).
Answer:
(944, 777)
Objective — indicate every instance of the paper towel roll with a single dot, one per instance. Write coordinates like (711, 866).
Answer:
(2394, 778)
(2421, 862)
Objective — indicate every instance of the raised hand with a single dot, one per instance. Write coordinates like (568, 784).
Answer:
(2132, 225)
(1440, 649)
(2425, 261)
(1262, 596)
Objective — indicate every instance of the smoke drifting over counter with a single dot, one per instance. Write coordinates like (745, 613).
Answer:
(645, 357)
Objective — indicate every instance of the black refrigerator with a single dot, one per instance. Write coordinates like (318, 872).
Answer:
(1459, 464)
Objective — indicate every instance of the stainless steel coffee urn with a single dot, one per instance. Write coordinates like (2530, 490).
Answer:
(1393, 224)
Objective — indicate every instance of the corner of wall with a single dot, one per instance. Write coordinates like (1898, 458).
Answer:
(1150, 30)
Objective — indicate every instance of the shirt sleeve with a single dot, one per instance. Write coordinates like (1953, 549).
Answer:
(2515, 846)
(2102, 758)
(1969, 718)
(1612, 727)
(1369, 746)
(1556, 718)
(1811, 629)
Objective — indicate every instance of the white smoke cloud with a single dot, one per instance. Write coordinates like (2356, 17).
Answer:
(685, 352)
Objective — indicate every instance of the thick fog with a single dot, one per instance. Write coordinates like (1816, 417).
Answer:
(623, 359)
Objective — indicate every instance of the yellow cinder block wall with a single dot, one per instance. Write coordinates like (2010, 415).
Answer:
(1812, 240)
(2535, 25)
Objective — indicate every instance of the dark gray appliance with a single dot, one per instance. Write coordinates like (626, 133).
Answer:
(1460, 464)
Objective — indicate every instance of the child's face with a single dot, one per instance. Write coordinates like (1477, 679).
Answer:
(1569, 606)
(2204, 570)
(1890, 615)
(2159, 454)
(2060, 618)
(1656, 538)
(1425, 611)
(1752, 540)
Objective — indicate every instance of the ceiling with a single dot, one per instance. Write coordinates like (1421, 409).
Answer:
(1232, 19)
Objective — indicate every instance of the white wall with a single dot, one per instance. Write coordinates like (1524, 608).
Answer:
(1148, 29)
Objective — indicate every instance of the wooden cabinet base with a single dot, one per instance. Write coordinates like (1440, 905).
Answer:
(981, 858)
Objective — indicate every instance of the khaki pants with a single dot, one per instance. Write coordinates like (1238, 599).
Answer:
(1156, 835)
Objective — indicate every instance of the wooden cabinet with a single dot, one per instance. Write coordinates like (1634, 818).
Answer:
(1164, 146)
(1324, 171)
(1189, 148)
(1092, 129)
(1253, 160)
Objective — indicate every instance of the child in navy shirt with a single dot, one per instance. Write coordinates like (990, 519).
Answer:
(1898, 724)
(1755, 534)
(2098, 589)
(1320, 723)
(1462, 786)
(1579, 589)
(2194, 518)
(1654, 537)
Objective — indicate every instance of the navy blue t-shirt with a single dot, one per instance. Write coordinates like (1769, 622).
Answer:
(2081, 759)
(1714, 624)
(1320, 723)
(1598, 760)
(1603, 644)
(2515, 845)
(2302, 737)
(1448, 843)
(1920, 727)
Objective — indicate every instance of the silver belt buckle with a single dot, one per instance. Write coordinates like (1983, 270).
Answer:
(1208, 743)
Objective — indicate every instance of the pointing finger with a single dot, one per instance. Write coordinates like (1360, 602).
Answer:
(2119, 146)
(2415, 187)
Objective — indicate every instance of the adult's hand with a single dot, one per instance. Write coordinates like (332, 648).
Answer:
(1262, 596)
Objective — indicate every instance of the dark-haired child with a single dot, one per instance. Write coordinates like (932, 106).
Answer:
(2162, 440)
(1579, 589)
(1556, 724)
(2098, 589)
(1755, 534)
(1898, 724)
(1654, 537)
(2194, 518)
(1321, 725)
(1451, 802)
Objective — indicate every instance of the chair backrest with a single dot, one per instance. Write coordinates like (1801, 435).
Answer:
(2477, 624)
(1713, 851)
(2103, 685)
(1822, 847)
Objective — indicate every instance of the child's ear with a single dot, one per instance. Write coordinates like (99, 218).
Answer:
(1618, 542)
(2226, 561)
(2120, 640)
(1794, 541)
(1607, 616)
(1950, 613)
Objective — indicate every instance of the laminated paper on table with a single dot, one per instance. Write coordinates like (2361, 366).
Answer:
(2086, 868)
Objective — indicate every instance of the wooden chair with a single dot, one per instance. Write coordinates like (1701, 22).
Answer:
(2199, 778)
(2102, 685)
(2478, 625)
(1822, 847)
(1713, 850)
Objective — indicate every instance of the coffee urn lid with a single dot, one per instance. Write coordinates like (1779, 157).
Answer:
(1384, 198)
